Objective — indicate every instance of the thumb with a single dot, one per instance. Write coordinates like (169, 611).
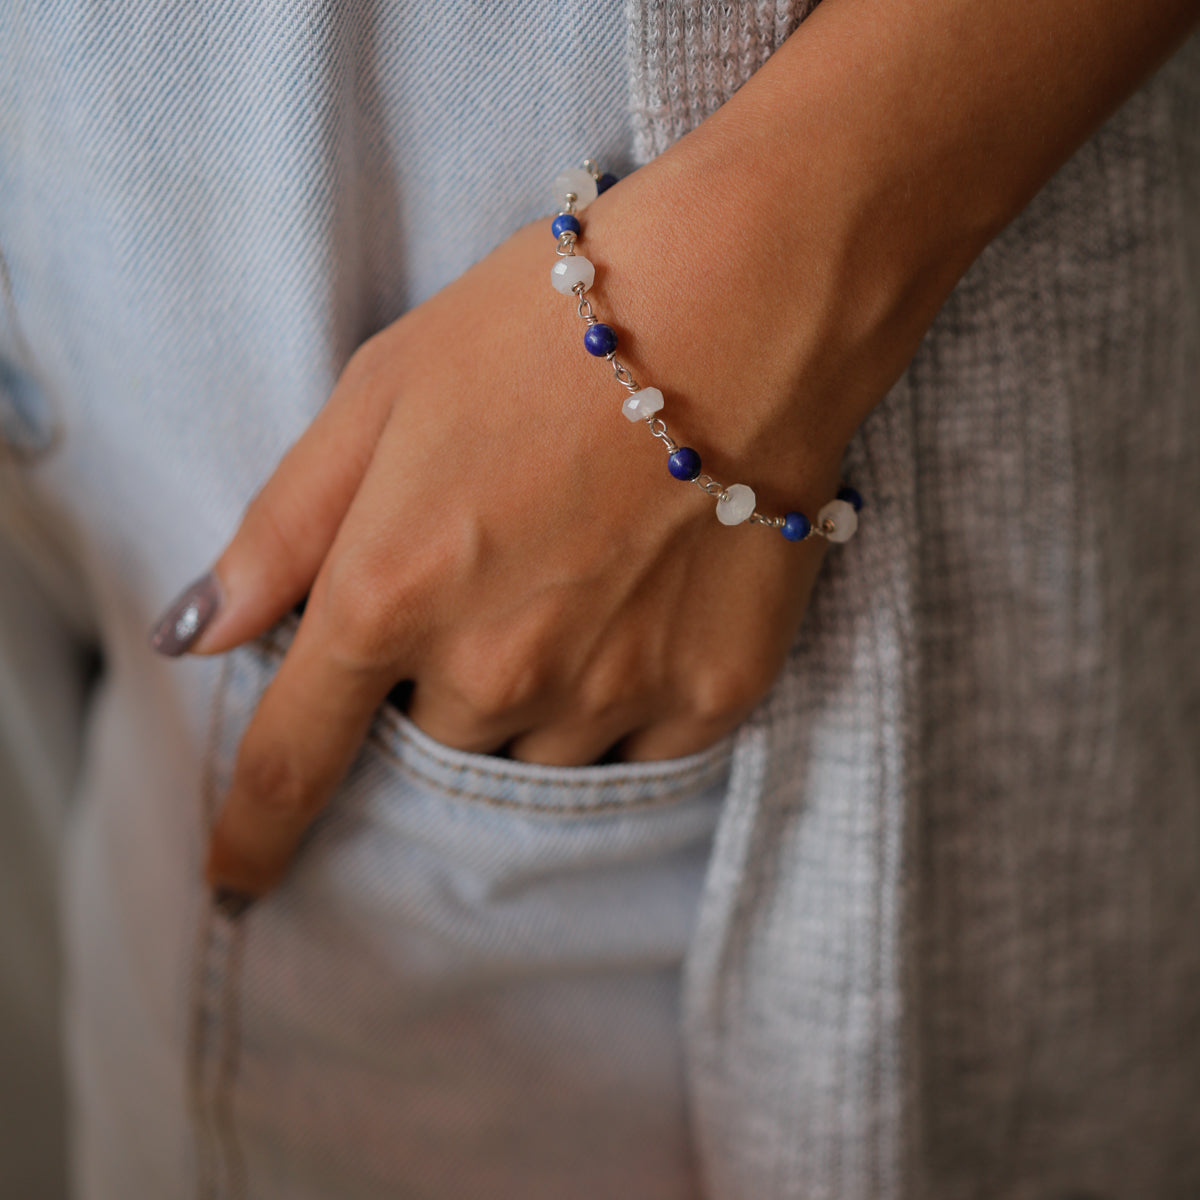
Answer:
(285, 533)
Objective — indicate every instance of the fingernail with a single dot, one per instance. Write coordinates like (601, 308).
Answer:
(230, 902)
(183, 623)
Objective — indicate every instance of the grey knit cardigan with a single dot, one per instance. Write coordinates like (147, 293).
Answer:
(950, 940)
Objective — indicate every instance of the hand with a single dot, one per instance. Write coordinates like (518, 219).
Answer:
(471, 511)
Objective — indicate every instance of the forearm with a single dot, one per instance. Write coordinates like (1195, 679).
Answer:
(965, 106)
(939, 120)
(962, 108)
(874, 156)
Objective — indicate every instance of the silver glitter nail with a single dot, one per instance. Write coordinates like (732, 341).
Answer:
(187, 618)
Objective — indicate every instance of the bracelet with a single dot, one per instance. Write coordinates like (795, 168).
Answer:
(575, 189)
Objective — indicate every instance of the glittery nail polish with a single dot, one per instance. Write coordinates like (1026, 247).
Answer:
(186, 619)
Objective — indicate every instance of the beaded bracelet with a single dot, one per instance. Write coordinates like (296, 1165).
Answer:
(573, 274)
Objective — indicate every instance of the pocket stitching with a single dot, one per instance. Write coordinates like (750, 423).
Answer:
(684, 781)
(711, 758)
(271, 647)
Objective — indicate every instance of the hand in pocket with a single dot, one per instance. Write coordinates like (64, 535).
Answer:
(471, 512)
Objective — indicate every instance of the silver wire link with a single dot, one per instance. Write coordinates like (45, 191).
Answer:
(592, 168)
(584, 307)
(658, 427)
(566, 243)
(707, 484)
(623, 375)
(757, 518)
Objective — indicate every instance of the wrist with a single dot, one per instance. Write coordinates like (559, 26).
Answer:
(694, 319)
(751, 344)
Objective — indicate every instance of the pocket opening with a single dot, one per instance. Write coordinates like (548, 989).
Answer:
(583, 791)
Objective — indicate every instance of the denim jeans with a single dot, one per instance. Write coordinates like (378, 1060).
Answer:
(471, 981)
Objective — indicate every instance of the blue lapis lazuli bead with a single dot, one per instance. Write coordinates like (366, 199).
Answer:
(600, 340)
(795, 527)
(851, 497)
(564, 223)
(684, 463)
(605, 182)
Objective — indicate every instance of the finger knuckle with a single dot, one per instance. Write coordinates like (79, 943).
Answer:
(610, 689)
(598, 707)
(491, 694)
(491, 685)
(361, 613)
(271, 534)
(727, 691)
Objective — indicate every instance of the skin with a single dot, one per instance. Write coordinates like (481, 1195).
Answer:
(470, 511)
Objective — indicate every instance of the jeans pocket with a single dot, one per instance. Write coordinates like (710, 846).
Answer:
(468, 983)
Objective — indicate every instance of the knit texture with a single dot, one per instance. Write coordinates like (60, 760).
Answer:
(948, 944)
(687, 59)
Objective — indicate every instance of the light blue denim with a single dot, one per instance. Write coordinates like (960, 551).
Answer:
(470, 985)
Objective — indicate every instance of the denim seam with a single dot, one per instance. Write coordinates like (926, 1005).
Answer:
(214, 1025)
(229, 1059)
(197, 1057)
(685, 782)
(198, 991)
(500, 776)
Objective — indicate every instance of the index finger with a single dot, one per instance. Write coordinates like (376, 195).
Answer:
(308, 726)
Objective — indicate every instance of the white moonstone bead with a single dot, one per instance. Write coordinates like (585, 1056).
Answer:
(843, 518)
(643, 403)
(736, 505)
(570, 270)
(577, 180)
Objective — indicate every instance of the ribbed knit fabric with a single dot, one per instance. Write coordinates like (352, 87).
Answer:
(948, 948)
(687, 59)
